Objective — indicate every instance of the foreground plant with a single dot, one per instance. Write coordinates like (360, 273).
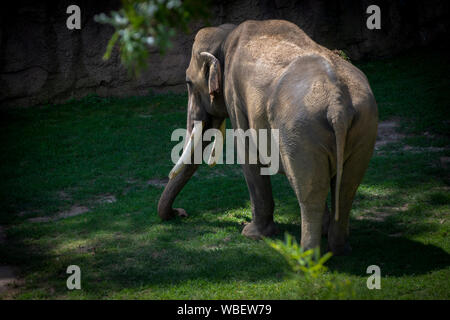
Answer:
(311, 265)
(308, 262)
(143, 23)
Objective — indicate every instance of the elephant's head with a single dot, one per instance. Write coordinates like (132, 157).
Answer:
(205, 103)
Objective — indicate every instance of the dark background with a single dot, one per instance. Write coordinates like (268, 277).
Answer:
(41, 61)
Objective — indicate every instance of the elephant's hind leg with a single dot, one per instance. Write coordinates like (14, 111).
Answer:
(354, 169)
(326, 220)
(308, 172)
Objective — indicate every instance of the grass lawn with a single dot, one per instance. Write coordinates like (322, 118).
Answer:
(105, 156)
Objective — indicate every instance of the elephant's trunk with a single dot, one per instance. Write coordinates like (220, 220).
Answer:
(185, 168)
(173, 187)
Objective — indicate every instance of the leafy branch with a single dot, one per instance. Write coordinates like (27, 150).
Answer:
(140, 24)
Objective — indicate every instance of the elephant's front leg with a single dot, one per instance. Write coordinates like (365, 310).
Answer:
(261, 198)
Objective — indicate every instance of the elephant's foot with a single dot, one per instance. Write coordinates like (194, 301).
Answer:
(340, 250)
(338, 239)
(180, 212)
(253, 231)
(173, 213)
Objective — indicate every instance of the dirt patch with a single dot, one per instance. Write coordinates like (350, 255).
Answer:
(64, 196)
(8, 274)
(445, 162)
(87, 249)
(159, 183)
(382, 213)
(73, 211)
(422, 149)
(387, 133)
(27, 213)
(8, 278)
(40, 219)
(106, 198)
(378, 216)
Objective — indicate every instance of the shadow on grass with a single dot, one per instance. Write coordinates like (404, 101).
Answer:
(134, 253)
(125, 245)
(396, 255)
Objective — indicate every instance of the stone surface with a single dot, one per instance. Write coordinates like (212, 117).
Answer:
(41, 61)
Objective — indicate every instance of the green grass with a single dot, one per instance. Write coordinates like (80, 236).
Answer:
(57, 156)
(413, 87)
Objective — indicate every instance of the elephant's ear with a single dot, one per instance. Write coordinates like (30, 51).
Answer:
(215, 75)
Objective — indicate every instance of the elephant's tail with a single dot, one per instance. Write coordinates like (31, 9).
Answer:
(339, 115)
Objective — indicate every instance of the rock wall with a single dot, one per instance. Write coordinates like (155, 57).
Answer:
(41, 61)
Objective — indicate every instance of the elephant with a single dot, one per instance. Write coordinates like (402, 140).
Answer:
(270, 74)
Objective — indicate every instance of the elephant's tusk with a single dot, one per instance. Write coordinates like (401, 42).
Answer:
(194, 139)
(215, 153)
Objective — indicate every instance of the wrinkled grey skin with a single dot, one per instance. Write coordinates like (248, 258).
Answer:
(270, 74)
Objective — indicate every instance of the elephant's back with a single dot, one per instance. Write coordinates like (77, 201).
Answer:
(257, 53)
(279, 33)
(266, 48)
(305, 87)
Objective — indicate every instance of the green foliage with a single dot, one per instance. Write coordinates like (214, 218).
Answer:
(143, 23)
(413, 86)
(309, 262)
(340, 289)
